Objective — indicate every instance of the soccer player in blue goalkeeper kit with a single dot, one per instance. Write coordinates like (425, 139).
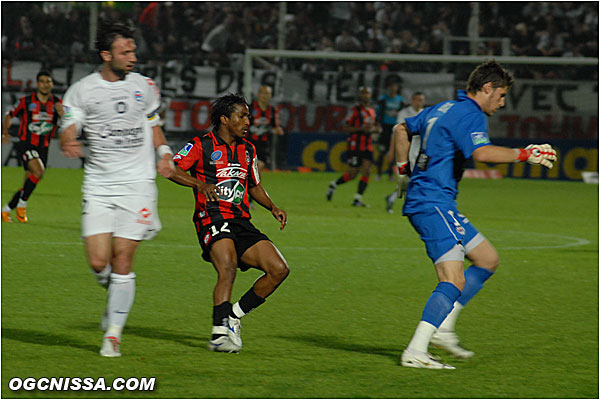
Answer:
(452, 132)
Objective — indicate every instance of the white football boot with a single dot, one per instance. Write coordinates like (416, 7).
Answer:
(235, 331)
(448, 341)
(222, 344)
(417, 359)
(111, 347)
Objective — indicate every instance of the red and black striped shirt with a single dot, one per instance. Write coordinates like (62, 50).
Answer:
(232, 168)
(262, 122)
(361, 116)
(39, 121)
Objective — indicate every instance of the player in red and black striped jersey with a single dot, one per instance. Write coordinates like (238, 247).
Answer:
(264, 122)
(39, 113)
(222, 168)
(361, 126)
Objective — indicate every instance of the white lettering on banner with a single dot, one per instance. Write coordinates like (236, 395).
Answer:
(321, 101)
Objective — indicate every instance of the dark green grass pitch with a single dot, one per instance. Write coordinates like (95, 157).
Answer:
(336, 328)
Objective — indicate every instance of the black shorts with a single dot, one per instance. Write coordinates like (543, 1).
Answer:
(241, 231)
(355, 157)
(384, 136)
(28, 152)
(263, 151)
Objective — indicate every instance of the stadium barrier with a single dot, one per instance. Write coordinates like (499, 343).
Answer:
(327, 152)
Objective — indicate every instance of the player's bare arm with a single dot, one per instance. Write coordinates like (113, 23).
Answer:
(5, 126)
(402, 143)
(259, 194)
(60, 110)
(69, 144)
(210, 191)
(165, 165)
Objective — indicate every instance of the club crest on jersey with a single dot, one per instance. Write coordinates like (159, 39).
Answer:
(137, 96)
(247, 158)
(479, 138)
(232, 191)
(32, 107)
(216, 155)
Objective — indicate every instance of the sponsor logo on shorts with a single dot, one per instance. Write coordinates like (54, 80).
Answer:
(145, 214)
(479, 138)
(460, 230)
(207, 238)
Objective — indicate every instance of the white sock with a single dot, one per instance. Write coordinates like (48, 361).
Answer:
(422, 336)
(121, 294)
(450, 322)
(22, 203)
(237, 310)
(332, 184)
(358, 196)
(6, 208)
(103, 276)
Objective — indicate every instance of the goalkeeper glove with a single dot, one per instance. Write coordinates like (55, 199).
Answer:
(538, 154)
(403, 178)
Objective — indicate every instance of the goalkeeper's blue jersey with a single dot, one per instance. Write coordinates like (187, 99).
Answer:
(450, 132)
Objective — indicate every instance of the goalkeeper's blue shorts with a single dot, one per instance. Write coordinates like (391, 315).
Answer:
(442, 228)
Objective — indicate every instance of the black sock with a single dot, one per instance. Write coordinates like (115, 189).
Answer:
(362, 186)
(220, 315)
(15, 200)
(28, 189)
(249, 301)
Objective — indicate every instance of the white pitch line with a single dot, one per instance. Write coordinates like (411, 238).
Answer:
(574, 242)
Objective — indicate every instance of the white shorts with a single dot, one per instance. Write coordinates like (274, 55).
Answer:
(132, 217)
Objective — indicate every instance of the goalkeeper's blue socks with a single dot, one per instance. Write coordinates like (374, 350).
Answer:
(475, 277)
(438, 306)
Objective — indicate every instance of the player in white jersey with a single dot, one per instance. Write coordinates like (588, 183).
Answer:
(417, 102)
(118, 110)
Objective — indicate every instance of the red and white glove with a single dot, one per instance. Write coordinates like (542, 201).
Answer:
(403, 178)
(542, 154)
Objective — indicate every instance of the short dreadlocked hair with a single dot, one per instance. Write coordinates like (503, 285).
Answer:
(489, 71)
(225, 105)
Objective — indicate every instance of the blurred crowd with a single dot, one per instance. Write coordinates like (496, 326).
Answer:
(216, 33)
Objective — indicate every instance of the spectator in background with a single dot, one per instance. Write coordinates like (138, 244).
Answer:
(388, 106)
(345, 41)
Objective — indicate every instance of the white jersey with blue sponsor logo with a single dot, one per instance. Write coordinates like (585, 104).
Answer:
(117, 119)
(450, 132)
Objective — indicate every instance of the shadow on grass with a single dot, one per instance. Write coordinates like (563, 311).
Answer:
(156, 333)
(45, 338)
(333, 342)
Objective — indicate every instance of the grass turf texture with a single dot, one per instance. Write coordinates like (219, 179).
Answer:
(336, 328)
